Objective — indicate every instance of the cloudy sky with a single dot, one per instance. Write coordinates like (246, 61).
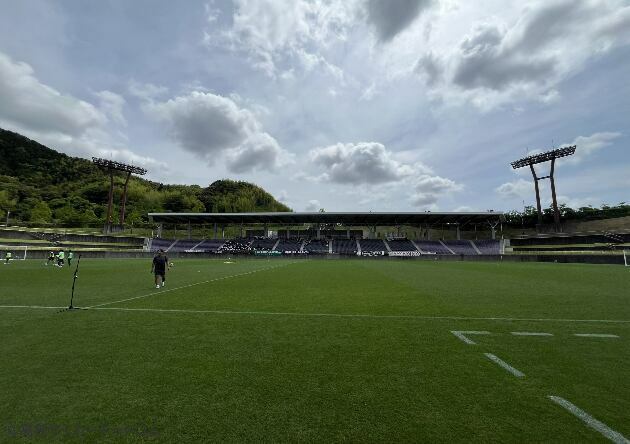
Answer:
(355, 105)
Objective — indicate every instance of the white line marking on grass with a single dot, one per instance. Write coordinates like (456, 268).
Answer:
(505, 365)
(593, 423)
(461, 335)
(595, 335)
(30, 306)
(341, 315)
(530, 333)
(187, 286)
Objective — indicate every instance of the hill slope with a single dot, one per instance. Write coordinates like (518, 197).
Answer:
(41, 185)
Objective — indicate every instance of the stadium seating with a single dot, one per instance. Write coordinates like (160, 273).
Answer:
(183, 245)
(488, 246)
(161, 244)
(344, 246)
(461, 247)
(289, 246)
(210, 246)
(372, 245)
(314, 246)
(238, 245)
(317, 247)
(263, 244)
(401, 245)
(432, 247)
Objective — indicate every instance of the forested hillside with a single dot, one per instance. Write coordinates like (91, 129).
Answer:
(39, 185)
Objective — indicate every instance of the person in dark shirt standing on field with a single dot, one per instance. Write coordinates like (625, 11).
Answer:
(159, 266)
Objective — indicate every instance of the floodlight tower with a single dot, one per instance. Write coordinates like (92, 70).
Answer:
(110, 166)
(549, 156)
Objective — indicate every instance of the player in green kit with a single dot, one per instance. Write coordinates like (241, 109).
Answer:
(70, 257)
(7, 258)
(61, 256)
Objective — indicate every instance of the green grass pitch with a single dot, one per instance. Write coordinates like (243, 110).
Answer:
(313, 351)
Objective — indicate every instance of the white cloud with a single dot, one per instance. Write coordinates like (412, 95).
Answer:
(28, 103)
(212, 12)
(146, 91)
(112, 105)
(589, 145)
(59, 120)
(283, 196)
(576, 203)
(371, 164)
(369, 92)
(516, 189)
(429, 189)
(527, 58)
(313, 206)
(215, 127)
(360, 163)
(271, 32)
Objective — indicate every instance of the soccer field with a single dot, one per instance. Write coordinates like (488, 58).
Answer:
(315, 350)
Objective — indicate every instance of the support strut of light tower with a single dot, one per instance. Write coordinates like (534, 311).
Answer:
(549, 156)
(111, 166)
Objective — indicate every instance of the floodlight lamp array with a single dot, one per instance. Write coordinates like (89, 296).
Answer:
(544, 157)
(113, 165)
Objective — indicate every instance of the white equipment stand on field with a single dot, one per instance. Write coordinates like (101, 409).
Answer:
(18, 252)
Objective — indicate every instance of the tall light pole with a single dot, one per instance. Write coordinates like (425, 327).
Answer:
(549, 156)
(110, 167)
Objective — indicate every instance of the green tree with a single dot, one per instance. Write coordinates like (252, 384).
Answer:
(40, 212)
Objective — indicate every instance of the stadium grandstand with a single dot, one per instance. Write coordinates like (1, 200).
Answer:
(329, 233)
(422, 234)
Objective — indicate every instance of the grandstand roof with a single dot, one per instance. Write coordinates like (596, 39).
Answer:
(363, 219)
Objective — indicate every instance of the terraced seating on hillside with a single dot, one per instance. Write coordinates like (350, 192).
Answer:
(567, 239)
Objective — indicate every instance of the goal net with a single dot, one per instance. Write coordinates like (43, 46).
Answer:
(17, 252)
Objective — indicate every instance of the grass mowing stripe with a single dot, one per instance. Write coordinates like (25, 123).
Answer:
(189, 285)
(335, 315)
(593, 423)
(501, 363)
(339, 315)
